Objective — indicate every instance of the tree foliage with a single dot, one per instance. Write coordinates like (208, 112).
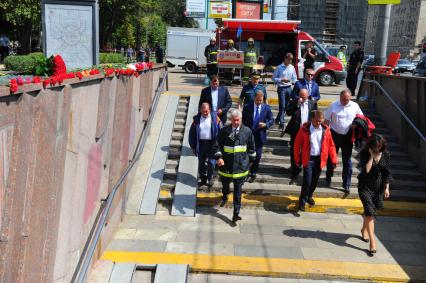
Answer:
(121, 22)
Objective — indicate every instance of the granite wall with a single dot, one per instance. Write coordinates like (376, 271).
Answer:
(62, 150)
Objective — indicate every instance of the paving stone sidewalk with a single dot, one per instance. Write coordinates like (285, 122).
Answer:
(270, 234)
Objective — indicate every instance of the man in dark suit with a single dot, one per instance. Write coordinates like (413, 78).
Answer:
(217, 97)
(202, 136)
(307, 83)
(258, 117)
(299, 109)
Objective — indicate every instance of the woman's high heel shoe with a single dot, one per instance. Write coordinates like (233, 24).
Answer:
(364, 239)
(372, 252)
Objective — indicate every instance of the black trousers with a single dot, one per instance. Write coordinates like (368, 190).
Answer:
(352, 80)
(238, 184)
(311, 174)
(344, 143)
(295, 170)
(211, 70)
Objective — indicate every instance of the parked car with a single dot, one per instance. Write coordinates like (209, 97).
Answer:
(367, 63)
(404, 65)
(420, 69)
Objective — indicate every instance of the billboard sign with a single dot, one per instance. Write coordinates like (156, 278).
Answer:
(248, 10)
(220, 10)
(195, 8)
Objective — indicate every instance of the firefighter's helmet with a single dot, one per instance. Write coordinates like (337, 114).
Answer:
(230, 41)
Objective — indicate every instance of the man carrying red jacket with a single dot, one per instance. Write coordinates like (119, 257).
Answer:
(312, 147)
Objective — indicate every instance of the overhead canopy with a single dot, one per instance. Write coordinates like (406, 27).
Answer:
(261, 25)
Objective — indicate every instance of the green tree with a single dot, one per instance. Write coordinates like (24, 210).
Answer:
(25, 17)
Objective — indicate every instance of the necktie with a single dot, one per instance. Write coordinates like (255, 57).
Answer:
(309, 88)
(256, 119)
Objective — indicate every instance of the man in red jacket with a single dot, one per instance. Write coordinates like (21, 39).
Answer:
(312, 147)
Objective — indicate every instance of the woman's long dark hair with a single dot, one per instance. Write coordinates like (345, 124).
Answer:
(374, 141)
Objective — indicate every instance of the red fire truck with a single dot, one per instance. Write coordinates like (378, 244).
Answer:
(275, 38)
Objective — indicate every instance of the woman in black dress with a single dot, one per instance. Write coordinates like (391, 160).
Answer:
(373, 184)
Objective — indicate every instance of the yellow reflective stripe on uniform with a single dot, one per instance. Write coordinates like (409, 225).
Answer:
(251, 54)
(235, 149)
(213, 52)
(237, 175)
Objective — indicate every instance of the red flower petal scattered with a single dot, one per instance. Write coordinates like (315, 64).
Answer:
(46, 82)
(79, 75)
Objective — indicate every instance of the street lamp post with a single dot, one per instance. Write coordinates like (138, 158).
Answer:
(207, 14)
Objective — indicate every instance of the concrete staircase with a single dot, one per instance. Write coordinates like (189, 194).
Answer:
(274, 172)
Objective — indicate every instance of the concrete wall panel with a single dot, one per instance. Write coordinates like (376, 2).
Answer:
(62, 150)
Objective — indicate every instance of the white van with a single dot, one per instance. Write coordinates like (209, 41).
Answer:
(185, 47)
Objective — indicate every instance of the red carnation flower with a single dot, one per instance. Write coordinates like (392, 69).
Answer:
(59, 67)
(79, 75)
(13, 85)
(36, 80)
(20, 81)
(94, 72)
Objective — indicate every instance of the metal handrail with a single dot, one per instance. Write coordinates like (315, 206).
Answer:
(91, 243)
(422, 137)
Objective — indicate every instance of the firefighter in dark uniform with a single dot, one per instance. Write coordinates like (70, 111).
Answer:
(211, 54)
(235, 152)
(354, 66)
(251, 55)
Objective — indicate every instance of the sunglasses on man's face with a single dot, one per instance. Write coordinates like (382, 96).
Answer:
(310, 74)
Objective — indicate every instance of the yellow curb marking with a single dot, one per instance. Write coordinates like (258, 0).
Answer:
(271, 101)
(322, 205)
(275, 267)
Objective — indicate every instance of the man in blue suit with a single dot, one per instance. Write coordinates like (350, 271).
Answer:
(307, 83)
(217, 97)
(258, 117)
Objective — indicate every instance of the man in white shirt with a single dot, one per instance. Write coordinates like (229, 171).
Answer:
(340, 116)
(299, 110)
(202, 136)
(284, 76)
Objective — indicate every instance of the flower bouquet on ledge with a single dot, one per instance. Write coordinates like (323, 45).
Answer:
(53, 71)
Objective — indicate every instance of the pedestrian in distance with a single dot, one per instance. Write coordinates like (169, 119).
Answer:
(309, 54)
(217, 97)
(299, 109)
(340, 115)
(373, 184)
(258, 117)
(249, 91)
(202, 137)
(141, 55)
(4, 46)
(147, 53)
(312, 147)
(129, 54)
(284, 76)
(234, 152)
(159, 54)
(210, 52)
(354, 66)
(308, 83)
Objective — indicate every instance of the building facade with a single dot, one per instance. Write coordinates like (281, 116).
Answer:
(407, 29)
(331, 21)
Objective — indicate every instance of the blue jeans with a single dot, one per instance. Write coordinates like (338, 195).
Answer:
(206, 161)
(311, 174)
(343, 142)
(283, 98)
